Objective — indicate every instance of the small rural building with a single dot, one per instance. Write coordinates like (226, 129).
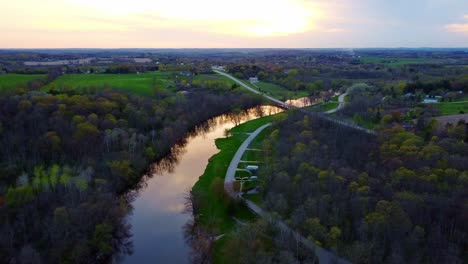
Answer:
(430, 101)
(253, 79)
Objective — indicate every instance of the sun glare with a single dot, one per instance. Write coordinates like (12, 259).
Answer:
(245, 17)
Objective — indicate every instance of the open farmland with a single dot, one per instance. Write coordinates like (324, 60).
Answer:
(139, 83)
(14, 80)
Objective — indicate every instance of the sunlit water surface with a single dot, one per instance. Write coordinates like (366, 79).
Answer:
(158, 217)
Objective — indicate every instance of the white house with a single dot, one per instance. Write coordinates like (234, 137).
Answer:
(430, 101)
(253, 79)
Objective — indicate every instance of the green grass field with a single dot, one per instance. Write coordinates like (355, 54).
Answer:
(279, 92)
(212, 77)
(139, 83)
(395, 62)
(8, 81)
(453, 108)
(326, 106)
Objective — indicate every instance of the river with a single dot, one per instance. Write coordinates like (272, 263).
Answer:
(158, 217)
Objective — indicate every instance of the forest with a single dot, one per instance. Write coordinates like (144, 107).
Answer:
(70, 160)
(398, 197)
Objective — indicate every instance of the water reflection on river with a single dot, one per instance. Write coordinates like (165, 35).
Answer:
(157, 218)
(304, 101)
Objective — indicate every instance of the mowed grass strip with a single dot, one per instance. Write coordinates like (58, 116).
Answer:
(325, 106)
(143, 83)
(213, 77)
(212, 206)
(9, 81)
(217, 212)
(453, 108)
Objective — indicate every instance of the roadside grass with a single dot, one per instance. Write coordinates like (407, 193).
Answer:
(334, 99)
(274, 90)
(256, 198)
(452, 108)
(242, 174)
(10, 81)
(251, 155)
(279, 92)
(367, 124)
(214, 211)
(212, 77)
(257, 143)
(325, 106)
(142, 84)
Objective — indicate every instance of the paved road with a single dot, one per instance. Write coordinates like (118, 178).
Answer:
(288, 106)
(324, 256)
(231, 171)
(283, 104)
(341, 104)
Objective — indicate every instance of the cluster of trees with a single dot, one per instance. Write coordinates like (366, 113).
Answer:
(254, 242)
(129, 68)
(296, 79)
(69, 161)
(400, 197)
(433, 87)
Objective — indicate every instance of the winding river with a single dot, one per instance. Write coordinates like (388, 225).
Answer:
(158, 217)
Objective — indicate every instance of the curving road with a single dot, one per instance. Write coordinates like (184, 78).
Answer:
(324, 256)
(231, 171)
(341, 104)
(283, 104)
(315, 114)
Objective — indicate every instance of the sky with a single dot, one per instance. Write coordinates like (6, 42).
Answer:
(233, 24)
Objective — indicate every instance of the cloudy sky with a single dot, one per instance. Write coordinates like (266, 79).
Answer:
(233, 24)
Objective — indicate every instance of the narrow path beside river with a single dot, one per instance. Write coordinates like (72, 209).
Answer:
(323, 255)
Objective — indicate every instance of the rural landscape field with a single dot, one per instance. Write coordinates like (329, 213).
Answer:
(247, 132)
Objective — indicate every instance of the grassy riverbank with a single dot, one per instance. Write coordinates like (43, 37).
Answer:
(216, 210)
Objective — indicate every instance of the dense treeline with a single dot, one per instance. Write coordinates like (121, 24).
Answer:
(438, 86)
(67, 160)
(394, 198)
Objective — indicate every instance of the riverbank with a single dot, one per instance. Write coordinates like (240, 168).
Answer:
(215, 210)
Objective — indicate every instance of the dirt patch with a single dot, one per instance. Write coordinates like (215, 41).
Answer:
(453, 119)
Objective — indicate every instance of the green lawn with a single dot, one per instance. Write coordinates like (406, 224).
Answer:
(367, 124)
(279, 92)
(252, 155)
(139, 83)
(256, 198)
(326, 106)
(8, 81)
(273, 90)
(212, 77)
(211, 205)
(453, 108)
(242, 174)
